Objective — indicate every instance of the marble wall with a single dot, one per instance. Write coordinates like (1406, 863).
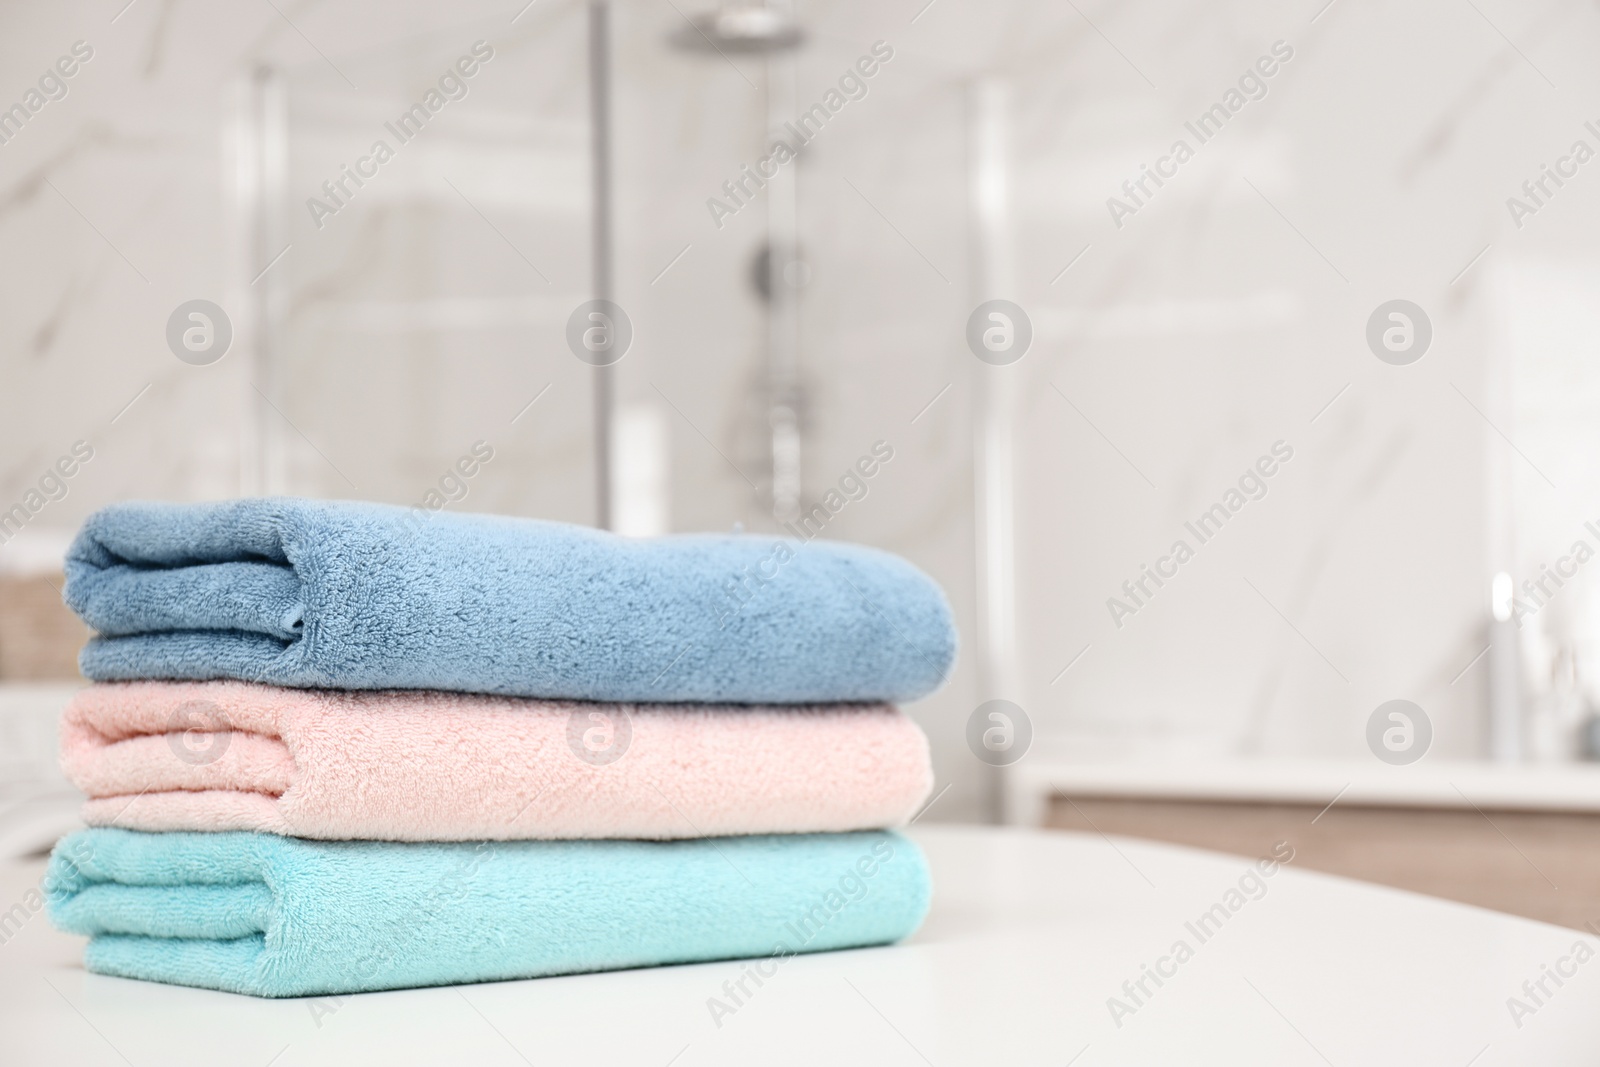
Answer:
(1177, 338)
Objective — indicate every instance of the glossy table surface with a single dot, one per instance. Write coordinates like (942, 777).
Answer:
(1023, 960)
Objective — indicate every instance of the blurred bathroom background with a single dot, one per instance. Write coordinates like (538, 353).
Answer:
(1221, 311)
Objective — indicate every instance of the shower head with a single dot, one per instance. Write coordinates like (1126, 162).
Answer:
(737, 27)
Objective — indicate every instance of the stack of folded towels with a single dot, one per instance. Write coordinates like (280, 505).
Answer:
(336, 747)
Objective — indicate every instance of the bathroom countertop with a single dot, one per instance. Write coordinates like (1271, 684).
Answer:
(1040, 950)
(1428, 783)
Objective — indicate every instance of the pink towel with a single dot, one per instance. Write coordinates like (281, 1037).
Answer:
(415, 766)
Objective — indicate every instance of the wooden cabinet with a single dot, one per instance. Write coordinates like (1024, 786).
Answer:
(1540, 864)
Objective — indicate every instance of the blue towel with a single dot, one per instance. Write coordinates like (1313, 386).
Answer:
(369, 596)
(282, 917)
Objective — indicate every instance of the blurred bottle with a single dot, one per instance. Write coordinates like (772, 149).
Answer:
(1561, 717)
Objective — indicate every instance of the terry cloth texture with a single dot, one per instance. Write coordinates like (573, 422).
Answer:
(423, 766)
(369, 596)
(282, 917)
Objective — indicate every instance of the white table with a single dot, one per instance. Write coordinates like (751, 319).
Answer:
(1030, 934)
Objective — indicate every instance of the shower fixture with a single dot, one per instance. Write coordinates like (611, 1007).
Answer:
(770, 30)
(758, 28)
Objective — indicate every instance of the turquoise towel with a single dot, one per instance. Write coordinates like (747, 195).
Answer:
(283, 917)
(368, 596)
